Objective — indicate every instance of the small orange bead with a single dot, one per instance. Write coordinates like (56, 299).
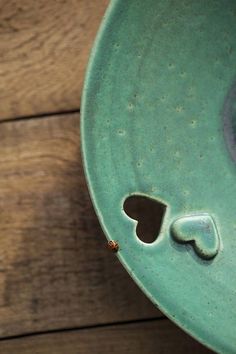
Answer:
(113, 246)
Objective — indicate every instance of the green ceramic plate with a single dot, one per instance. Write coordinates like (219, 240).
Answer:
(159, 120)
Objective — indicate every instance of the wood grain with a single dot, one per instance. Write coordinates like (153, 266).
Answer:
(55, 269)
(156, 337)
(44, 47)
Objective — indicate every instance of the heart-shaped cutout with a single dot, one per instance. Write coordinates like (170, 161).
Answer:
(148, 213)
(200, 231)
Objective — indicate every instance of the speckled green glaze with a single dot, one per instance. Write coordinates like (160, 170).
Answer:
(200, 231)
(158, 119)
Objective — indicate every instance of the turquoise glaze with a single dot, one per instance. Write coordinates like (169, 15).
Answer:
(159, 120)
(200, 231)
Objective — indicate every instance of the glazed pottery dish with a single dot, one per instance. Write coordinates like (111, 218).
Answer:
(159, 122)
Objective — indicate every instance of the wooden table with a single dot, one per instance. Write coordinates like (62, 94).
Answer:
(61, 291)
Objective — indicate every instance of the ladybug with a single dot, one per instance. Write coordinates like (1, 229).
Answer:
(113, 246)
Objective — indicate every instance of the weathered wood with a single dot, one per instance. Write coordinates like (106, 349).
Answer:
(55, 269)
(44, 47)
(157, 337)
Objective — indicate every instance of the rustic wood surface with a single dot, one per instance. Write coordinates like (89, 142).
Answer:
(55, 271)
(44, 47)
(55, 268)
(155, 337)
(61, 291)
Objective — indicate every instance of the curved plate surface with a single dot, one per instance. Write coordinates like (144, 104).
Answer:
(159, 120)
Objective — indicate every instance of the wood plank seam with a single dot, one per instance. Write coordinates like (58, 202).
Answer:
(82, 328)
(40, 116)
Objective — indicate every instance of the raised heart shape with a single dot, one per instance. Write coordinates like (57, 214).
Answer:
(200, 231)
